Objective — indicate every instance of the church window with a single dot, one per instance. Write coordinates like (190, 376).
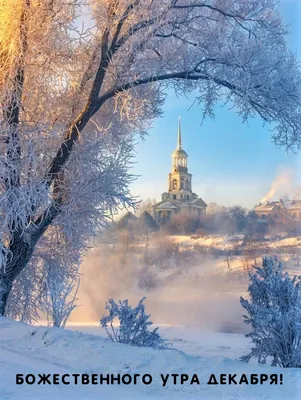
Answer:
(174, 184)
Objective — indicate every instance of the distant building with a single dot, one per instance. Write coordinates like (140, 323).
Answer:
(179, 195)
(279, 208)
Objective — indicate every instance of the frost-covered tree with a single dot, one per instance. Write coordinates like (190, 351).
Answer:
(127, 221)
(60, 287)
(23, 302)
(146, 224)
(132, 325)
(274, 314)
(237, 219)
(146, 206)
(72, 99)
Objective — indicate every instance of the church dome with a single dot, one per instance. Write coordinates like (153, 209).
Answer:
(179, 152)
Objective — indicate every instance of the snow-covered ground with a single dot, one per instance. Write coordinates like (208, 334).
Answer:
(81, 349)
(226, 242)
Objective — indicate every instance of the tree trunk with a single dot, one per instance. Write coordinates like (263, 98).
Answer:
(5, 288)
(21, 253)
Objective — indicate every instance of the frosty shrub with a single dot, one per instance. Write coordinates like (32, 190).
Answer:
(133, 325)
(274, 310)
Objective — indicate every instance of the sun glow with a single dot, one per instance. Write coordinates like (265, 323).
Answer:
(10, 16)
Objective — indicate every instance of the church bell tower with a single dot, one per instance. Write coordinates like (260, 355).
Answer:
(179, 180)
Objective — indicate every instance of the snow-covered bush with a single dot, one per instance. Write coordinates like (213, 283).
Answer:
(133, 325)
(274, 310)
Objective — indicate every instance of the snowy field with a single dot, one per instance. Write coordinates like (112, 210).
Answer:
(83, 349)
(198, 312)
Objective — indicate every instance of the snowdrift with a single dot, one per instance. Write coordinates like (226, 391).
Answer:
(41, 350)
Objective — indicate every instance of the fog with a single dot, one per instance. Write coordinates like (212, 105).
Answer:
(203, 294)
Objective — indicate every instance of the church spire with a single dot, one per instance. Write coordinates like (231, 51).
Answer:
(179, 136)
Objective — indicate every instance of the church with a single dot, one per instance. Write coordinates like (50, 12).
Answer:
(179, 195)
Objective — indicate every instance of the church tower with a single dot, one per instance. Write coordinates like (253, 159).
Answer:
(179, 180)
(179, 195)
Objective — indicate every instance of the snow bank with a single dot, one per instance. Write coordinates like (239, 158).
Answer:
(26, 349)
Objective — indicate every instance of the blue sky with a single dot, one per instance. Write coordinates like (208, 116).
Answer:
(231, 162)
